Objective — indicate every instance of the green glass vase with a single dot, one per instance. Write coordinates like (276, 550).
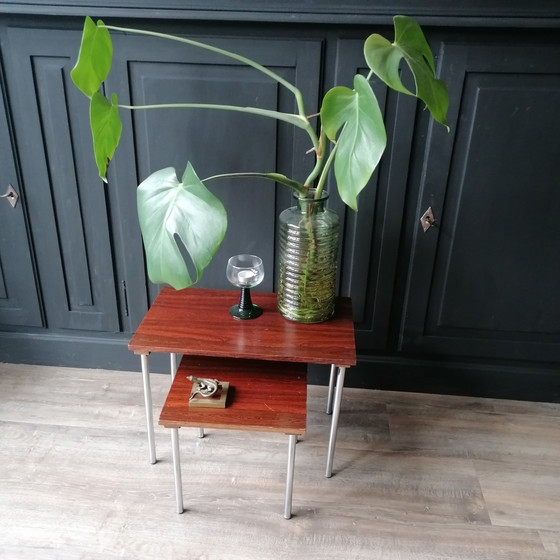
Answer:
(308, 252)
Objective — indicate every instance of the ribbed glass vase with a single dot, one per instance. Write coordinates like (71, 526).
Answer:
(308, 249)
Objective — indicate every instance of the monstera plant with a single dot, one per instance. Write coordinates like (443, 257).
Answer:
(348, 138)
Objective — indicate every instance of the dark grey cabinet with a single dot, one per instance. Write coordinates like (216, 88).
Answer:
(469, 306)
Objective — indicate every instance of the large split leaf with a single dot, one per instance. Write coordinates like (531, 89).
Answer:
(384, 58)
(94, 58)
(361, 142)
(170, 211)
(106, 128)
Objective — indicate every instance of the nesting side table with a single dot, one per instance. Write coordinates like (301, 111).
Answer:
(263, 396)
(196, 322)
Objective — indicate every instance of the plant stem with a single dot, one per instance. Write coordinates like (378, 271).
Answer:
(290, 118)
(223, 52)
(319, 150)
(300, 120)
(277, 177)
(325, 172)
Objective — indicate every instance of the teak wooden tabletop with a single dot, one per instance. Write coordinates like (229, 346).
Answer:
(263, 396)
(196, 321)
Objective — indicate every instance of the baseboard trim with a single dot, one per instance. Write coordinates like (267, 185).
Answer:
(59, 349)
(390, 373)
(504, 380)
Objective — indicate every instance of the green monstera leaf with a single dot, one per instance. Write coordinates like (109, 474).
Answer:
(94, 58)
(171, 211)
(106, 128)
(384, 58)
(91, 69)
(361, 142)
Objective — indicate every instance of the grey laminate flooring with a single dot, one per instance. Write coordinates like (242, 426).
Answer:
(416, 477)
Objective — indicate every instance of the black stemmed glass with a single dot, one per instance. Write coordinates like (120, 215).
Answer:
(245, 272)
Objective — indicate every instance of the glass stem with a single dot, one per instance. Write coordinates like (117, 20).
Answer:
(245, 302)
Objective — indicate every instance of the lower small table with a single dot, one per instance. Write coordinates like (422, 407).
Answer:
(263, 396)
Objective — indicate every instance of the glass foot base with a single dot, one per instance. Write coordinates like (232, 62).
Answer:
(251, 313)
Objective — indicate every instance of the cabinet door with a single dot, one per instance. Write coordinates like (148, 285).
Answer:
(484, 282)
(371, 236)
(155, 71)
(19, 304)
(67, 203)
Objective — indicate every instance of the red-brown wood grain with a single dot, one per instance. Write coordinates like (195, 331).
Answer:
(196, 321)
(263, 396)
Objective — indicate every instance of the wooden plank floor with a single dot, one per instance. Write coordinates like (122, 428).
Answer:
(416, 477)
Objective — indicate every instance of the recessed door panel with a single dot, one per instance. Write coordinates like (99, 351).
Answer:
(19, 303)
(484, 282)
(213, 141)
(67, 202)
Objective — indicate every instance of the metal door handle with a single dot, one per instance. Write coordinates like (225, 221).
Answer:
(428, 220)
(11, 195)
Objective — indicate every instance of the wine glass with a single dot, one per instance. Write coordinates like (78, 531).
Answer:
(245, 272)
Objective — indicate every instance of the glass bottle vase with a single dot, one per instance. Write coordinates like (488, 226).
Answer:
(307, 261)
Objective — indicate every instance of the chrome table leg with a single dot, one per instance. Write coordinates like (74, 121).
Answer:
(331, 389)
(177, 469)
(148, 407)
(173, 364)
(334, 421)
(173, 358)
(292, 438)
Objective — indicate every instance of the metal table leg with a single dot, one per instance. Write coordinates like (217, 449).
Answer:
(292, 439)
(173, 359)
(334, 421)
(177, 469)
(148, 407)
(331, 390)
